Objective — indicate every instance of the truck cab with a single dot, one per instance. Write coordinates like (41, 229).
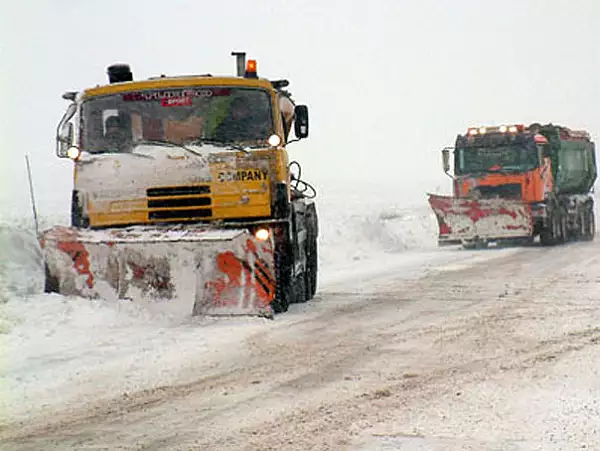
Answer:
(496, 162)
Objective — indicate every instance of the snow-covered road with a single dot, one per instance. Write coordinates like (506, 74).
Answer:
(416, 349)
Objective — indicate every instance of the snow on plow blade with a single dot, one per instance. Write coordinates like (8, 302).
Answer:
(462, 219)
(192, 270)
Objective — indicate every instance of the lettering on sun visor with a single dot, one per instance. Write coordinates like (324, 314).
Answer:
(174, 95)
(242, 175)
(177, 101)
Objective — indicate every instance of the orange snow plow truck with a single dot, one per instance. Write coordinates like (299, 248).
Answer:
(513, 183)
(184, 194)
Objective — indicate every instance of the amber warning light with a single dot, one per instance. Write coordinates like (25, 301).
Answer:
(251, 69)
(472, 131)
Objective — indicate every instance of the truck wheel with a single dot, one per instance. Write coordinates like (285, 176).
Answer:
(301, 293)
(284, 288)
(589, 225)
(77, 217)
(564, 228)
(582, 225)
(283, 296)
(546, 236)
(51, 284)
(548, 233)
(556, 227)
(312, 263)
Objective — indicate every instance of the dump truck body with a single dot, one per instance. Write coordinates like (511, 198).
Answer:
(183, 194)
(515, 183)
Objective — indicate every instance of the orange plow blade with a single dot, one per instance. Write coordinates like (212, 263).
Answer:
(200, 271)
(463, 219)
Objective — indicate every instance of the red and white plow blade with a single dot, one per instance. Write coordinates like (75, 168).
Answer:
(193, 269)
(481, 219)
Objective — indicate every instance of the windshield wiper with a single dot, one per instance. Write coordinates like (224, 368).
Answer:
(160, 142)
(120, 152)
(217, 142)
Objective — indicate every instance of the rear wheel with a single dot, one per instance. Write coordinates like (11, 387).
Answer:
(312, 264)
(563, 228)
(301, 293)
(582, 225)
(555, 230)
(546, 236)
(589, 225)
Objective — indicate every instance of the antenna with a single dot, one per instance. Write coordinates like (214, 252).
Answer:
(35, 217)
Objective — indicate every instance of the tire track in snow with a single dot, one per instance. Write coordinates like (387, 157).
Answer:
(318, 381)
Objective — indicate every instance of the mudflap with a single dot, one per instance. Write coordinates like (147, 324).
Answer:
(194, 270)
(463, 220)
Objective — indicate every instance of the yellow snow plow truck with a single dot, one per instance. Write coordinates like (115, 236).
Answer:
(184, 195)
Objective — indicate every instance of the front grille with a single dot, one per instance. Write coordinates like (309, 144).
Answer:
(179, 203)
(180, 214)
(178, 191)
(507, 191)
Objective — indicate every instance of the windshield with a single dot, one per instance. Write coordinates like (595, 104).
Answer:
(494, 159)
(221, 115)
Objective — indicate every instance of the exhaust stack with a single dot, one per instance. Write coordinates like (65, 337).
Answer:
(240, 59)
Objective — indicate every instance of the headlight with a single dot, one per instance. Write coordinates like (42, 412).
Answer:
(262, 234)
(73, 153)
(274, 140)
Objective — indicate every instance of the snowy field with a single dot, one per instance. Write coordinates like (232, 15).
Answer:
(64, 360)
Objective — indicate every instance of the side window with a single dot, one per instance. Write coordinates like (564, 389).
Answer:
(109, 118)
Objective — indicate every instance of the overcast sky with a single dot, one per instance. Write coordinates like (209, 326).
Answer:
(388, 83)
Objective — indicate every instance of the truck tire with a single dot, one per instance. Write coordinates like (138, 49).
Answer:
(284, 287)
(582, 225)
(283, 297)
(546, 236)
(312, 253)
(589, 224)
(312, 266)
(563, 228)
(51, 284)
(550, 234)
(78, 219)
(300, 293)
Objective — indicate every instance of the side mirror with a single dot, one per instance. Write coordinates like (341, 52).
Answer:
(446, 159)
(301, 121)
(64, 132)
(64, 139)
